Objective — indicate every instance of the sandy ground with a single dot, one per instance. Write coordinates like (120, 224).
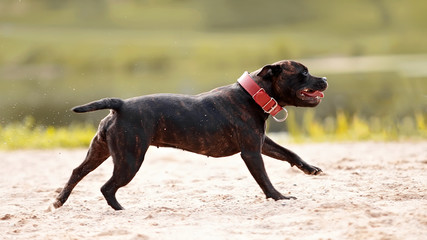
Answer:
(369, 191)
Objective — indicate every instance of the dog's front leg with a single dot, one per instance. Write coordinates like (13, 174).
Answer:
(256, 167)
(274, 150)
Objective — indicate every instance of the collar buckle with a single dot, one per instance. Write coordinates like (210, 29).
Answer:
(266, 106)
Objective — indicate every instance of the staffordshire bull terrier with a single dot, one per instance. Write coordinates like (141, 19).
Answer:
(219, 123)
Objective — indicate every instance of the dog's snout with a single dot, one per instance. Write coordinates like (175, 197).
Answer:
(322, 83)
(325, 82)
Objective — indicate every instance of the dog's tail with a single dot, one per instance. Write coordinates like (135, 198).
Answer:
(106, 103)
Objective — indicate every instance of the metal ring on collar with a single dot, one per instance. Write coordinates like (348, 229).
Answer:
(283, 118)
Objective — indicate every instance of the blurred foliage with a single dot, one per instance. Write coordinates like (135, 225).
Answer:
(58, 54)
(341, 127)
(26, 134)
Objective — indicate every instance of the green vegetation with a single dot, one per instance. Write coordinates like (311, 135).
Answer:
(27, 135)
(339, 128)
(58, 54)
(344, 128)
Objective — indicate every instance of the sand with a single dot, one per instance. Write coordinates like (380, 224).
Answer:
(368, 191)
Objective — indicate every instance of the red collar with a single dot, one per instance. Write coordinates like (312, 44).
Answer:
(267, 103)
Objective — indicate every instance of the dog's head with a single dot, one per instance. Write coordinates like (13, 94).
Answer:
(292, 84)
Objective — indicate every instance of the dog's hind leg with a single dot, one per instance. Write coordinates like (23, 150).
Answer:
(98, 152)
(127, 158)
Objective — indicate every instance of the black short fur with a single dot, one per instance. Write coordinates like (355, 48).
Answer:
(219, 123)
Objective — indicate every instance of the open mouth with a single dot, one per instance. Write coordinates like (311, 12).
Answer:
(310, 95)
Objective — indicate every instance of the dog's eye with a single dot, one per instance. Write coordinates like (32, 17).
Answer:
(305, 73)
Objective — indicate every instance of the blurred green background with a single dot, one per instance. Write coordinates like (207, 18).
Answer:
(58, 54)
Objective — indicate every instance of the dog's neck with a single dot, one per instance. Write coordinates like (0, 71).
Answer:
(261, 96)
(263, 83)
(268, 84)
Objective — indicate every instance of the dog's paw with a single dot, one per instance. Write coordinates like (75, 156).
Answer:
(52, 207)
(278, 196)
(310, 170)
(57, 204)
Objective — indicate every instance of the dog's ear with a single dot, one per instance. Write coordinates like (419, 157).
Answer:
(269, 71)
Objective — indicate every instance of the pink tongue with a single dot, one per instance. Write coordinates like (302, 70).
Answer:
(314, 94)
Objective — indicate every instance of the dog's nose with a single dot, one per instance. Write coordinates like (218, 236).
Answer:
(324, 79)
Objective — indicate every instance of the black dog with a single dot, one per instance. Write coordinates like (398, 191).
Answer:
(222, 122)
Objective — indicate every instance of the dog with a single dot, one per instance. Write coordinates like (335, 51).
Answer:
(219, 123)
